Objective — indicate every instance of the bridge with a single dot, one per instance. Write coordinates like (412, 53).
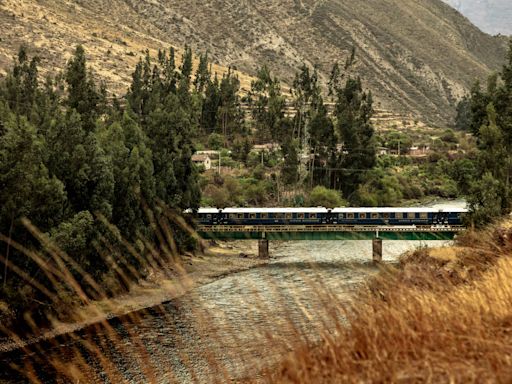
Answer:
(377, 234)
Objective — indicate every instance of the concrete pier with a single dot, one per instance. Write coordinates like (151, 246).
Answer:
(263, 249)
(377, 250)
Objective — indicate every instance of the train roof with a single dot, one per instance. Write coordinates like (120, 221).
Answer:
(335, 210)
(398, 210)
(276, 210)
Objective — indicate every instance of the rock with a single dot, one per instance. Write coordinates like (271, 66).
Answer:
(243, 255)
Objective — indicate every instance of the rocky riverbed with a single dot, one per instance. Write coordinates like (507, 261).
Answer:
(231, 323)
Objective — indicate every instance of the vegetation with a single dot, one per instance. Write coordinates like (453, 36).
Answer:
(417, 321)
(486, 182)
(69, 159)
(73, 157)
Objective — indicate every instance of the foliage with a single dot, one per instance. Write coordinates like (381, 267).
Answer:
(67, 158)
(491, 121)
(323, 197)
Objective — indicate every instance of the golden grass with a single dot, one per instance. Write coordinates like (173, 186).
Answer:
(441, 315)
(446, 318)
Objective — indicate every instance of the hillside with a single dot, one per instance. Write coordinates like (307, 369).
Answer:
(417, 56)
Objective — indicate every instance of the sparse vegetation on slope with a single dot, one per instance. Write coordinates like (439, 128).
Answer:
(417, 56)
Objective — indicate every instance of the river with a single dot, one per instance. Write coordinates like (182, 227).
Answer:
(229, 329)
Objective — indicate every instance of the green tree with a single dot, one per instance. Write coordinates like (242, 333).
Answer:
(127, 146)
(26, 187)
(76, 158)
(463, 117)
(83, 95)
(354, 109)
(267, 105)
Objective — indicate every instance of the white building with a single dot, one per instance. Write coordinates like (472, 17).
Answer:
(202, 160)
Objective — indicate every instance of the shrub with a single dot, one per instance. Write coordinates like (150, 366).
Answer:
(323, 197)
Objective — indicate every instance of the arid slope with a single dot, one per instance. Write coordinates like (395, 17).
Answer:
(418, 56)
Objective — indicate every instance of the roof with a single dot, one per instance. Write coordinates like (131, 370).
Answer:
(197, 157)
(275, 210)
(403, 210)
(335, 210)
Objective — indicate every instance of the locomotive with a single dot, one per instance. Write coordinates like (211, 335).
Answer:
(451, 216)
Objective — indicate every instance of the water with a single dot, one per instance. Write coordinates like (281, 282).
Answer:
(231, 328)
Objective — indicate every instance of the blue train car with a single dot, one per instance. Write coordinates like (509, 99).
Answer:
(336, 216)
(398, 216)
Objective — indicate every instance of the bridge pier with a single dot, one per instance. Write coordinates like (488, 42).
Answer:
(377, 250)
(263, 249)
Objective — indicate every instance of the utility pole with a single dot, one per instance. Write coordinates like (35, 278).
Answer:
(218, 152)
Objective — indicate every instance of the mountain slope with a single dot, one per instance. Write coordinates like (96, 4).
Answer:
(418, 56)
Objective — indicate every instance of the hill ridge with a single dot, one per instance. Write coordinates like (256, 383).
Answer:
(417, 56)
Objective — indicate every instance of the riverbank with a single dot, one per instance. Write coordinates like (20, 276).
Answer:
(216, 262)
(441, 315)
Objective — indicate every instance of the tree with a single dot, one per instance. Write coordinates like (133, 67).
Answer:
(485, 200)
(202, 74)
(267, 105)
(82, 93)
(463, 118)
(21, 84)
(186, 64)
(353, 122)
(76, 158)
(491, 123)
(290, 170)
(322, 144)
(127, 146)
(26, 187)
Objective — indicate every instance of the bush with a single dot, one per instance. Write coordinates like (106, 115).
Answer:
(215, 141)
(323, 197)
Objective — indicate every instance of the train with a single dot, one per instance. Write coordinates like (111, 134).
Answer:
(448, 216)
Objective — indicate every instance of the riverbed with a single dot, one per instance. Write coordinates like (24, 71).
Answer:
(232, 328)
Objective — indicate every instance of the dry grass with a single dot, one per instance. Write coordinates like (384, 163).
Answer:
(446, 318)
(439, 316)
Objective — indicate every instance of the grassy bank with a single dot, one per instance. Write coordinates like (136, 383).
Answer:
(159, 287)
(441, 316)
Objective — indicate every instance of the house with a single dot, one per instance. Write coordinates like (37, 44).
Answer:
(268, 147)
(202, 160)
(419, 150)
(382, 151)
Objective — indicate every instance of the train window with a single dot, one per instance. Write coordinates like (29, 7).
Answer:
(264, 215)
(375, 216)
(362, 215)
(288, 216)
(233, 216)
(240, 215)
(399, 215)
(300, 216)
(252, 216)
(340, 216)
(312, 215)
(350, 216)
(386, 216)
(411, 215)
(279, 215)
(208, 216)
(423, 215)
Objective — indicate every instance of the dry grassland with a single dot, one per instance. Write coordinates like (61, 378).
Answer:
(442, 316)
